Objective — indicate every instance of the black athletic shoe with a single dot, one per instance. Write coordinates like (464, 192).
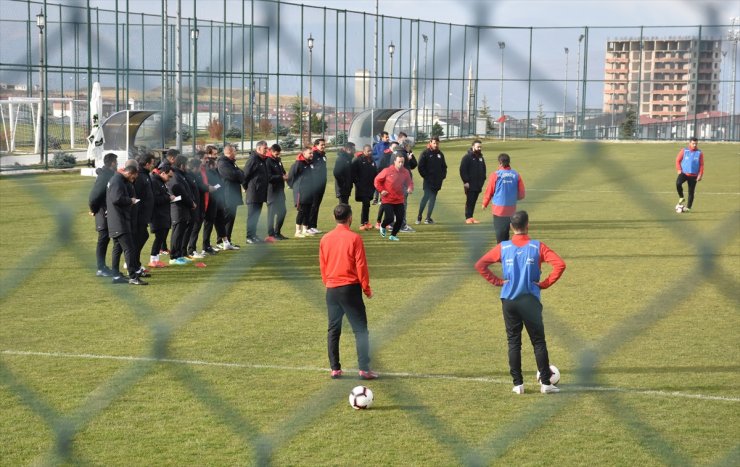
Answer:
(119, 280)
(253, 240)
(280, 236)
(137, 281)
(210, 251)
(104, 273)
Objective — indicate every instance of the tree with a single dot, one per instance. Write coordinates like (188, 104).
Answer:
(486, 113)
(296, 124)
(541, 125)
(628, 128)
(318, 124)
(437, 130)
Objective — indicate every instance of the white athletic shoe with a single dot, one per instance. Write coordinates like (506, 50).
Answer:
(548, 389)
(518, 389)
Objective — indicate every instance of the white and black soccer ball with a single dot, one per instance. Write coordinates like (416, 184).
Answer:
(361, 397)
(679, 208)
(554, 378)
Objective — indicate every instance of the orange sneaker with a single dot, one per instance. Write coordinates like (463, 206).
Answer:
(470, 220)
(475, 221)
(363, 227)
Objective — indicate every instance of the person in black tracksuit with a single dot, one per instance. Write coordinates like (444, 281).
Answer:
(320, 179)
(200, 189)
(97, 206)
(410, 163)
(301, 179)
(180, 211)
(233, 178)
(473, 174)
(363, 177)
(433, 169)
(143, 189)
(276, 210)
(343, 172)
(214, 216)
(161, 221)
(256, 180)
(120, 199)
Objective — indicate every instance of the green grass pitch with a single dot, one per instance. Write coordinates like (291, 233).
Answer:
(227, 365)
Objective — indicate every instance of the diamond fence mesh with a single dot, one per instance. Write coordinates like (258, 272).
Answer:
(279, 57)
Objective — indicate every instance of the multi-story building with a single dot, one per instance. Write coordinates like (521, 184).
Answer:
(663, 79)
(362, 90)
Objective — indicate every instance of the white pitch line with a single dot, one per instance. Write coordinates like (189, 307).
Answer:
(481, 379)
(622, 191)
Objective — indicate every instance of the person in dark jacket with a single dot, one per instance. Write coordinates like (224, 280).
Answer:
(119, 199)
(276, 210)
(233, 178)
(201, 189)
(473, 174)
(256, 180)
(144, 208)
(180, 211)
(320, 178)
(301, 180)
(161, 221)
(97, 206)
(433, 169)
(343, 172)
(404, 147)
(364, 171)
(214, 215)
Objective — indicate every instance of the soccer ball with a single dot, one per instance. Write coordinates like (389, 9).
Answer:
(554, 378)
(361, 398)
(679, 208)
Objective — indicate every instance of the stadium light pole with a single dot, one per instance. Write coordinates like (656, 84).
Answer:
(310, 77)
(734, 36)
(578, 86)
(565, 90)
(391, 49)
(194, 117)
(424, 99)
(41, 23)
(502, 46)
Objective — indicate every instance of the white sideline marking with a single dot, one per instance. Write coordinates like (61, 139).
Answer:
(482, 379)
(622, 191)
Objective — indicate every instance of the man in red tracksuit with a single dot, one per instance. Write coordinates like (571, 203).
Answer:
(521, 260)
(690, 168)
(505, 188)
(344, 273)
(393, 183)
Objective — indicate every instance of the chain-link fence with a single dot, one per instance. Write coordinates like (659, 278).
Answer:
(250, 69)
(238, 89)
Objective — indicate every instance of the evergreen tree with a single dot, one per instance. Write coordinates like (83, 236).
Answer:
(541, 129)
(486, 113)
(628, 128)
(437, 130)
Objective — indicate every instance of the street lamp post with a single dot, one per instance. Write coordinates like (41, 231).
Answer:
(565, 91)
(194, 117)
(424, 101)
(501, 45)
(578, 87)
(734, 36)
(41, 23)
(310, 71)
(391, 49)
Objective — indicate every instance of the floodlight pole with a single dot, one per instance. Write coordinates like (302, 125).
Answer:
(501, 45)
(565, 91)
(194, 88)
(41, 23)
(576, 134)
(310, 77)
(424, 100)
(391, 49)
(734, 36)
